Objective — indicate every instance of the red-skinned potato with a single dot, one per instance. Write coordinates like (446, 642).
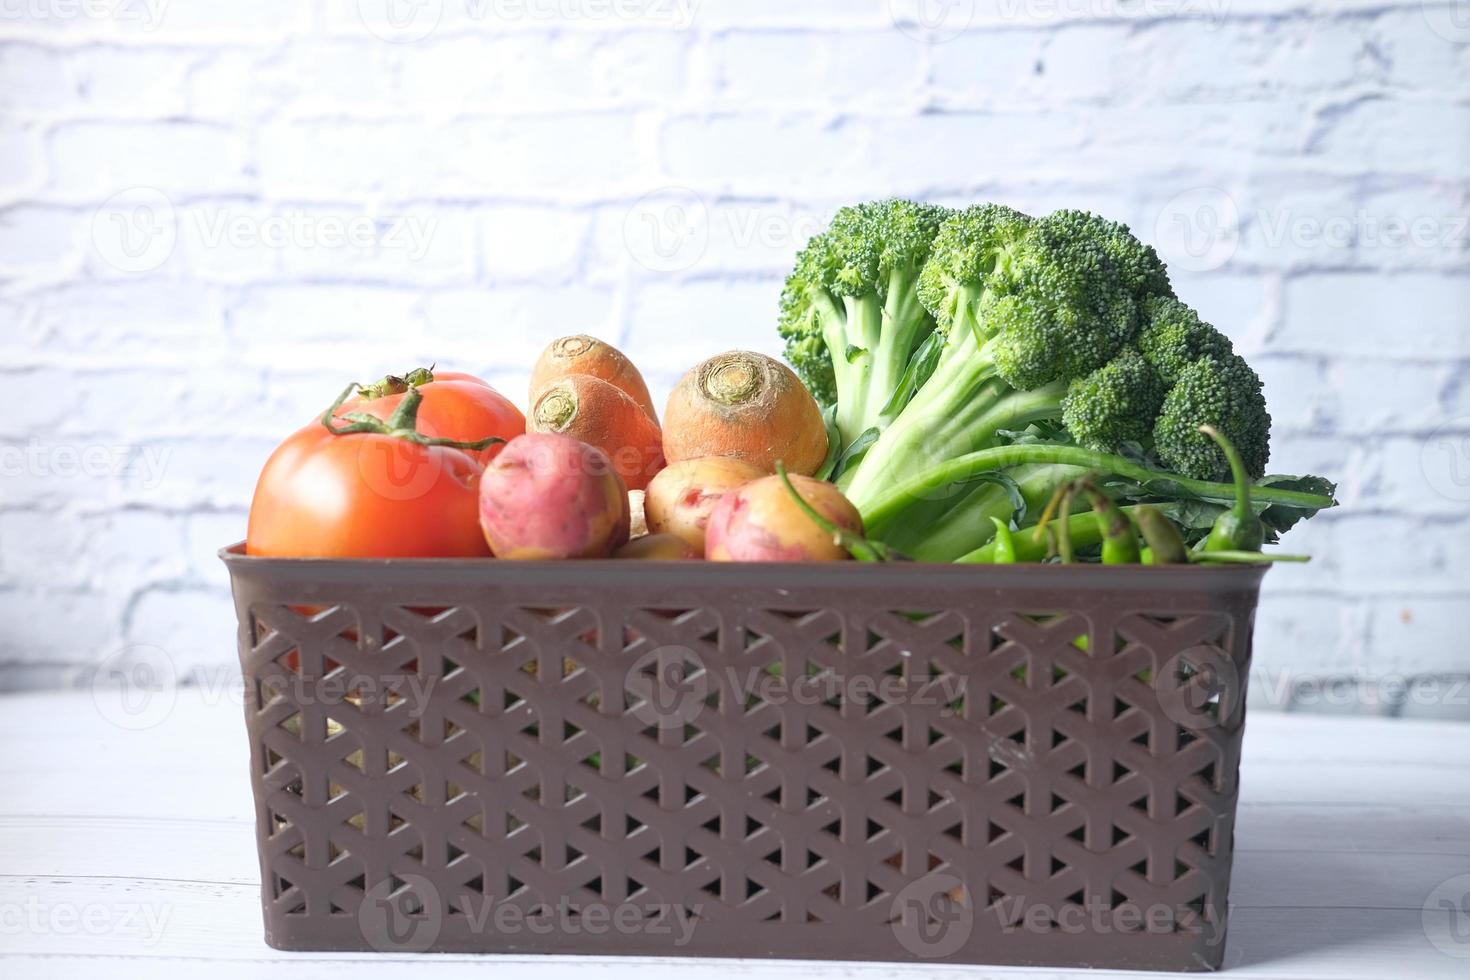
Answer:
(680, 499)
(549, 497)
(658, 547)
(761, 522)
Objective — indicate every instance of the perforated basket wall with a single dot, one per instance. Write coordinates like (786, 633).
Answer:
(1019, 765)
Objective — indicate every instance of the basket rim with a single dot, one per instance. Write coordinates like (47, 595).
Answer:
(1165, 578)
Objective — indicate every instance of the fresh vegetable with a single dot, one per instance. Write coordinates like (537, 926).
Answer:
(550, 496)
(1237, 529)
(1165, 544)
(855, 544)
(680, 498)
(747, 406)
(1057, 348)
(581, 354)
(851, 313)
(1119, 538)
(601, 415)
(357, 486)
(760, 522)
(1004, 545)
(455, 406)
(659, 547)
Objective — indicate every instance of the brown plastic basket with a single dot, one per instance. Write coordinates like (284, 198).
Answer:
(1006, 765)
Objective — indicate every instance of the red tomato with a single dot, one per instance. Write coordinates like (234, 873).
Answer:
(456, 406)
(366, 495)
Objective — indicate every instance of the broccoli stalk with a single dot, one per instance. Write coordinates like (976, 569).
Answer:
(851, 314)
(962, 468)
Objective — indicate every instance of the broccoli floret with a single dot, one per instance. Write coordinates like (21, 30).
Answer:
(1114, 405)
(1174, 337)
(850, 312)
(1219, 391)
(1136, 262)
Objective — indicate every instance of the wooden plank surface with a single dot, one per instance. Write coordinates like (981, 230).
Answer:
(1346, 828)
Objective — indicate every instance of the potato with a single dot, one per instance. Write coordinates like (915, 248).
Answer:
(549, 497)
(658, 547)
(680, 498)
(761, 522)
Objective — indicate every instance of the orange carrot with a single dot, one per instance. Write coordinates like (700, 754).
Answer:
(748, 406)
(601, 415)
(581, 354)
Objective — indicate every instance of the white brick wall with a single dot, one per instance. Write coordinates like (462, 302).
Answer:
(503, 171)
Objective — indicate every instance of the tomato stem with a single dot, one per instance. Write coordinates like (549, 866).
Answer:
(395, 385)
(402, 424)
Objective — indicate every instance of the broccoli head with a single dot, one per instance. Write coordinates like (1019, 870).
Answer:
(1223, 392)
(1115, 405)
(1173, 337)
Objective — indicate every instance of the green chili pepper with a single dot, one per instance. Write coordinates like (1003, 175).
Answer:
(1238, 529)
(1004, 552)
(1119, 540)
(1165, 544)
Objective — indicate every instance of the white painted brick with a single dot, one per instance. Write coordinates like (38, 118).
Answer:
(22, 162)
(123, 319)
(205, 534)
(121, 83)
(183, 623)
(1419, 635)
(981, 67)
(918, 154)
(1397, 136)
(34, 80)
(681, 325)
(740, 148)
(511, 325)
(34, 239)
(92, 161)
(519, 243)
(56, 626)
(1420, 59)
(489, 74)
(1408, 315)
(870, 69)
(282, 315)
(1308, 635)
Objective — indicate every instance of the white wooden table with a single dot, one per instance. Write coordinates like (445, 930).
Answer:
(128, 852)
